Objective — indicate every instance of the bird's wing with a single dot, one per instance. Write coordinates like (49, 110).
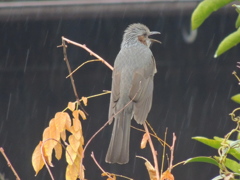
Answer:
(141, 91)
(114, 94)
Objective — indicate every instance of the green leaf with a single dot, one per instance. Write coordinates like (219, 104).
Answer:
(219, 177)
(202, 159)
(237, 7)
(237, 23)
(229, 42)
(205, 9)
(231, 164)
(210, 142)
(236, 98)
(216, 144)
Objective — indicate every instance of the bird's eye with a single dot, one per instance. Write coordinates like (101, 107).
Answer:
(145, 34)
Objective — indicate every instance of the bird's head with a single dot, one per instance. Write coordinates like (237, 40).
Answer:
(136, 33)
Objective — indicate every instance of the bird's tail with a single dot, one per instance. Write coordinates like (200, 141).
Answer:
(118, 150)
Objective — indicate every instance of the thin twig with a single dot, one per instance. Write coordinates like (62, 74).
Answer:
(154, 152)
(172, 151)
(92, 155)
(94, 60)
(9, 163)
(164, 150)
(153, 135)
(71, 77)
(88, 50)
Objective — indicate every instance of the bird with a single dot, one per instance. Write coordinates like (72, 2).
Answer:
(132, 89)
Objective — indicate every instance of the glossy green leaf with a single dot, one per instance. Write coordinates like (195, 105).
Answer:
(205, 9)
(235, 152)
(236, 98)
(219, 177)
(229, 42)
(210, 142)
(237, 23)
(231, 164)
(237, 7)
(202, 159)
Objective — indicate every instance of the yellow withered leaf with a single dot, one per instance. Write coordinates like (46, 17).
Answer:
(48, 145)
(82, 114)
(74, 143)
(151, 170)
(53, 133)
(71, 106)
(113, 176)
(62, 119)
(58, 151)
(144, 141)
(37, 161)
(75, 114)
(63, 135)
(71, 173)
(167, 176)
(77, 134)
(74, 170)
(77, 124)
(70, 155)
(85, 100)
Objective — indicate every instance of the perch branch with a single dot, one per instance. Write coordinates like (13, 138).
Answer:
(88, 50)
(9, 163)
(71, 77)
(154, 152)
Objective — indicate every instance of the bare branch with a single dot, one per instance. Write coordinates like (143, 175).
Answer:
(9, 163)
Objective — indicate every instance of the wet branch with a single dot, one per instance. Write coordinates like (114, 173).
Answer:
(71, 77)
(88, 50)
(154, 152)
(9, 163)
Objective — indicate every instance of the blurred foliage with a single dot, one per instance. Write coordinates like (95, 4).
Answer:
(228, 156)
(204, 10)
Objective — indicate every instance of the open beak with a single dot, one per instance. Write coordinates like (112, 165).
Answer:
(154, 40)
(154, 32)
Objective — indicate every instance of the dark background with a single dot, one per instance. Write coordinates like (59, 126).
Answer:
(191, 95)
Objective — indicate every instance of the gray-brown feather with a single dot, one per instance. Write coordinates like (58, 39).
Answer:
(132, 90)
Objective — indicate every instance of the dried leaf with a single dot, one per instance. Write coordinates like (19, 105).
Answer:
(48, 145)
(71, 173)
(75, 115)
(113, 176)
(151, 170)
(167, 176)
(77, 125)
(62, 121)
(77, 135)
(74, 143)
(85, 100)
(63, 135)
(71, 106)
(82, 114)
(37, 161)
(58, 151)
(74, 170)
(144, 140)
(53, 131)
(80, 152)
(70, 155)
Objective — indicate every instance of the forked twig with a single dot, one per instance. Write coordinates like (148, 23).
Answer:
(71, 77)
(88, 50)
(9, 163)
(93, 157)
